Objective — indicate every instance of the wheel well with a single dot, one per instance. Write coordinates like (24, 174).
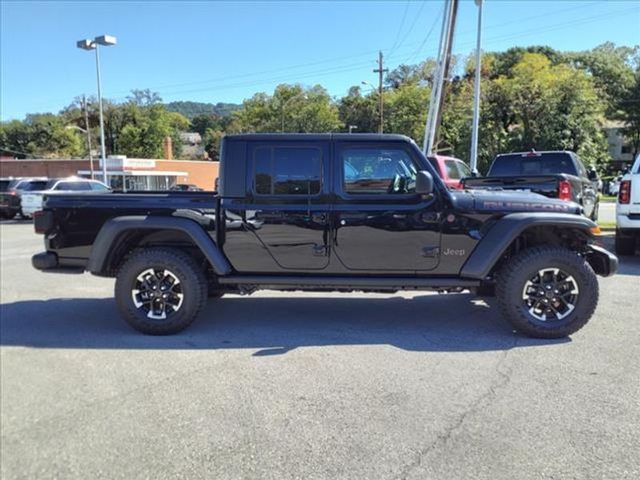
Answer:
(576, 239)
(132, 240)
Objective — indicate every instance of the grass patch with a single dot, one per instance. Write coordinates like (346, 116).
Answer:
(607, 225)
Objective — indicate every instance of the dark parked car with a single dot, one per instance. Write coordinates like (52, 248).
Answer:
(11, 194)
(554, 174)
(328, 212)
(186, 187)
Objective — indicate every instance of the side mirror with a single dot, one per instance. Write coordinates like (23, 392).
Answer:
(424, 183)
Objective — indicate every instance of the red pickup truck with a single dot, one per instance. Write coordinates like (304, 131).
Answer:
(450, 169)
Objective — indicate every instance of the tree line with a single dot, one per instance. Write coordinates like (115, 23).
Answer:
(534, 97)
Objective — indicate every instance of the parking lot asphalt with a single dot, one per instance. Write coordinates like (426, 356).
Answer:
(292, 385)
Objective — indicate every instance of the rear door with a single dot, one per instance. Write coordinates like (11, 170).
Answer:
(288, 203)
(380, 224)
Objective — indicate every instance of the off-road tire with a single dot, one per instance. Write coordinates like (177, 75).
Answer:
(193, 286)
(513, 276)
(625, 244)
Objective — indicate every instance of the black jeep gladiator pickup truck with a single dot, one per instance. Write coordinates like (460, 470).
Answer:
(328, 212)
(554, 174)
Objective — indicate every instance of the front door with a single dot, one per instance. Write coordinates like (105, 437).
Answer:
(379, 223)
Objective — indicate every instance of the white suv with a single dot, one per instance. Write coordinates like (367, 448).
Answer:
(628, 211)
(32, 201)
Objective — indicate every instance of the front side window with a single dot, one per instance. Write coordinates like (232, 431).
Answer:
(452, 169)
(287, 170)
(378, 171)
(465, 171)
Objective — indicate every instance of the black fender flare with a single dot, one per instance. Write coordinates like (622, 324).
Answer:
(112, 230)
(496, 241)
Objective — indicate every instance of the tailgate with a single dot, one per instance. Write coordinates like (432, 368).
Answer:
(546, 185)
(635, 193)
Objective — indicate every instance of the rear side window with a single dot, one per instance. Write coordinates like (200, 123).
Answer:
(287, 170)
(4, 185)
(533, 164)
(73, 186)
(465, 171)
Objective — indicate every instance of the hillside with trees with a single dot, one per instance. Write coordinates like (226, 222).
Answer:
(193, 109)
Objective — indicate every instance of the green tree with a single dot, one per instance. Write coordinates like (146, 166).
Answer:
(406, 110)
(211, 141)
(41, 135)
(146, 128)
(358, 110)
(629, 112)
(291, 108)
(144, 98)
(612, 70)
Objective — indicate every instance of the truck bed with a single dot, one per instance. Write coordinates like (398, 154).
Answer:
(546, 185)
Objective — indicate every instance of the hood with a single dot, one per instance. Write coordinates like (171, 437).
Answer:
(496, 201)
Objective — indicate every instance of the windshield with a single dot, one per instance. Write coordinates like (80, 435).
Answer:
(532, 164)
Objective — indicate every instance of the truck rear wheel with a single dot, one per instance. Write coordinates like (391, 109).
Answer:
(547, 292)
(160, 291)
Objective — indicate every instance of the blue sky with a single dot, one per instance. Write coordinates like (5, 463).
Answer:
(227, 51)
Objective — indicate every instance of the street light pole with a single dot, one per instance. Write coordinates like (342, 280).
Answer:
(102, 147)
(104, 40)
(476, 97)
(86, 125)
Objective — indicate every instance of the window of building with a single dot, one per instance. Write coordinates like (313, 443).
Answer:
(287, 171)
(378, 170)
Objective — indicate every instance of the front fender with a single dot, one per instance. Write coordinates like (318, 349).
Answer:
(110, 233)
(495, 243)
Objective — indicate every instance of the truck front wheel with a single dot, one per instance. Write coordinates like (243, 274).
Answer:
(160, 291)
(547, 292)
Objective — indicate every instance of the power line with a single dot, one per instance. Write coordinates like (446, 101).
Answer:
(404, 16)
(413, 24)
(417, 51)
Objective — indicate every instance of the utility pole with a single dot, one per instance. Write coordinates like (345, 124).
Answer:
(476, 96)
(380, 71)
(444, 60)
(86, 125)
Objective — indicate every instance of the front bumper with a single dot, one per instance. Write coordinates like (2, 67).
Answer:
(628, 221)
(9, 210)
(28, 210)
(603, 262)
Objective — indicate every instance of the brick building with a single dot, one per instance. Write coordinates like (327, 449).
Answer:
(123, 173)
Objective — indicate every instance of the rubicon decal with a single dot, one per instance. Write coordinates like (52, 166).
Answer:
(553, 207)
